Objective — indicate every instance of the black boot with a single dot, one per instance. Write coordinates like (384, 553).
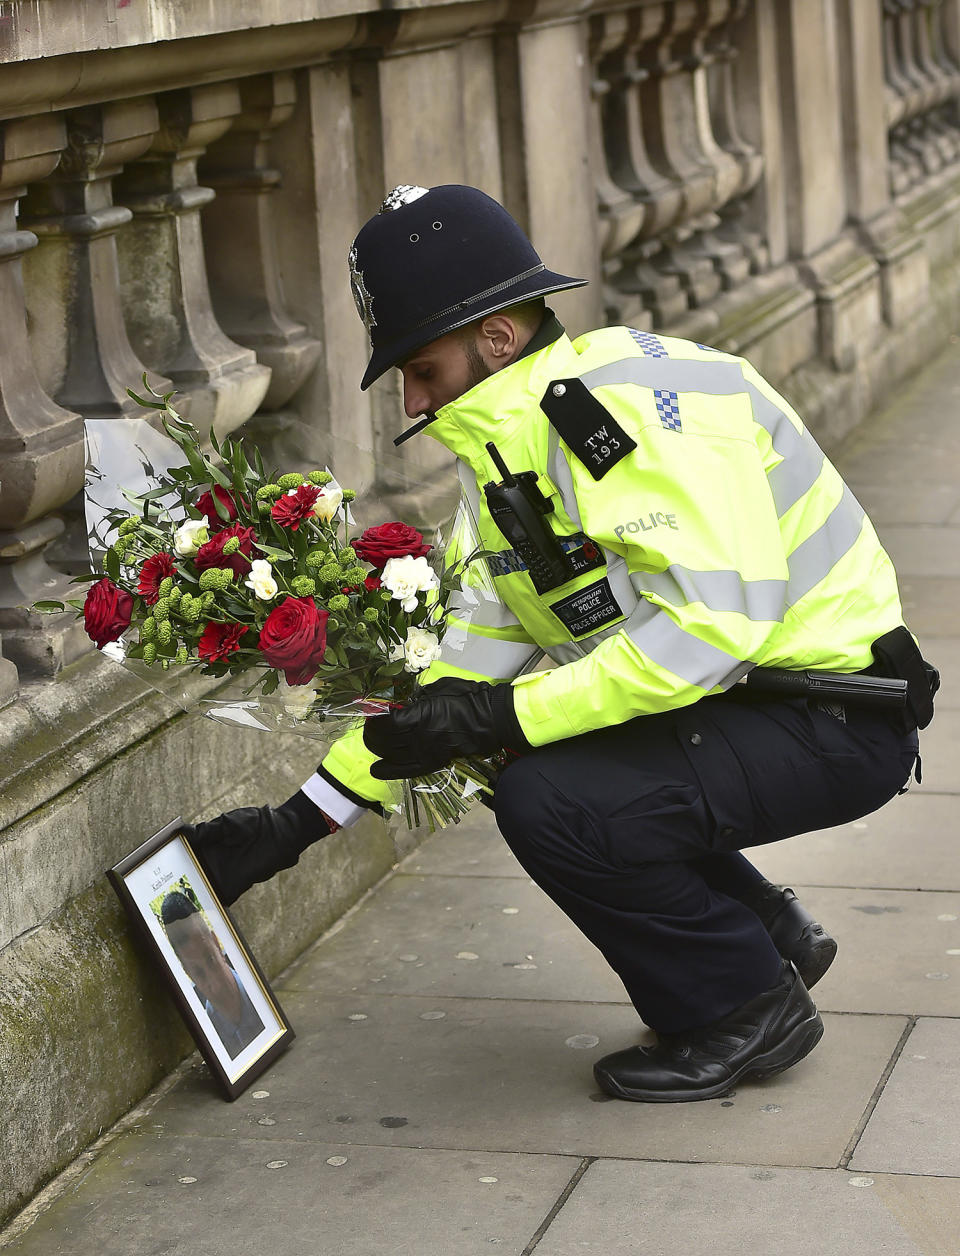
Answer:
(251, 844)
(795, 933)
(768, 1034)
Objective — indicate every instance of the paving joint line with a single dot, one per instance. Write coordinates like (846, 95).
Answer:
(877, 1092)
(565, 1194)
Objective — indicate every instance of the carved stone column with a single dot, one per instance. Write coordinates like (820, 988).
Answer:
(77, 332)
(80, 341)
(41, 444)
(163, 273)
(904, 267)
(239, 237)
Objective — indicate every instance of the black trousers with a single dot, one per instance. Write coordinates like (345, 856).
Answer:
(634, 832)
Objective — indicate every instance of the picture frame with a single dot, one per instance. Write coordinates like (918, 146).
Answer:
(213, 977)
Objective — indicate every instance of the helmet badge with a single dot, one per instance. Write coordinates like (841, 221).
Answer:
(404, 194)
(362, 298)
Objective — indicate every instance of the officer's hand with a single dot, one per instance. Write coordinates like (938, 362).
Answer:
(448, 720)
(251, 844)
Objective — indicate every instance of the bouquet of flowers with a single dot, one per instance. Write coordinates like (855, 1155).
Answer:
(225, 570)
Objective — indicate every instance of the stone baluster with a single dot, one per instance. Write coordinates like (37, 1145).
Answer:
(163, 273)
(623, 64)
(918, 135)
(41, 444)
(83, 353)
(930, 15)
(621, 215)
(905, 168)
(9, 680)
(79, 337)
(726, 126)
(248, 299)
(669, 107)
(728, 255)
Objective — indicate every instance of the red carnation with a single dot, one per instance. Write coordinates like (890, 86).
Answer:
(205, 505)
(372, 584)
(106, 612)
(211, 554)
(219, 641)
(292, 508)
(152, 573)
(294, 638)
(390, 540)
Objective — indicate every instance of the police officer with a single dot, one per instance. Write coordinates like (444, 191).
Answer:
(663, 527)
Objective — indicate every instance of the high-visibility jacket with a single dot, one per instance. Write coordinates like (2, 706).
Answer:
(709, 531)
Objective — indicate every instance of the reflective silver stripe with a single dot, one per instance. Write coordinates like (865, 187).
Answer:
(481, 609)
(487, 656)
(802, 456)
(760, 600)
(815, 558)
(695, 661)
(562, 476)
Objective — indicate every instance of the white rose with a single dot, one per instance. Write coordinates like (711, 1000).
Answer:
(261, 580)
(406, 577)
(420, 649)
(328, 503)
(297, 699)
(190, 536)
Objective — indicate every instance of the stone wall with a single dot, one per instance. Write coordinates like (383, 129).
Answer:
(179, 185)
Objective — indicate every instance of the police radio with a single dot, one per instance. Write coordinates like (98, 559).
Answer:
(518, 509)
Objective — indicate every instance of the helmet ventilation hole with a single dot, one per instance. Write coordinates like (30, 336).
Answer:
(437, 226)
(414, 238)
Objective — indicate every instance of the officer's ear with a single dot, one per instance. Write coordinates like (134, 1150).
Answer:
(499, 340)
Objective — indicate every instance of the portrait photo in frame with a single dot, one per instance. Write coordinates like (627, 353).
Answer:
(216, 983)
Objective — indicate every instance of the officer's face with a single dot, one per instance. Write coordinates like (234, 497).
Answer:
(441, 372)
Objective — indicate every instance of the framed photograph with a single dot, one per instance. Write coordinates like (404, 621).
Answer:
(215, 981)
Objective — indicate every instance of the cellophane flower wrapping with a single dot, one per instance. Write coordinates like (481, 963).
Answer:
(206, 565)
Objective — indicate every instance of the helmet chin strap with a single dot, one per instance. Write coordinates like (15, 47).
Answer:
(420, 424)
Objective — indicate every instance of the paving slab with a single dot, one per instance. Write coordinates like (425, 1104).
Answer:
(944, 653)
(488, 937)
(937, 502)
(620, 1209)
(938, 752)
(922, 550)
(931, 605)
(477, 851)
(500, 1075)
(208, 1197)
(895, 950)
(915, 1127)
(911, 844)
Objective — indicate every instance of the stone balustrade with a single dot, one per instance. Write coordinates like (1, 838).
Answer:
(178, 193)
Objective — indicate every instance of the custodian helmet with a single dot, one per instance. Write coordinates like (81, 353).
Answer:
(435, 259)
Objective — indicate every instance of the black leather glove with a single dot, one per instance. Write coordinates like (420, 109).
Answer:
(448, 720)
(251, 844)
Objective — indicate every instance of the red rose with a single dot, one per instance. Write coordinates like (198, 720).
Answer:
(294, 638)
(372, 584)
(106, 612)
(206, 506)
(292, 508)
(153, 571)
(211, 554)
(219, 641)
(390, 540)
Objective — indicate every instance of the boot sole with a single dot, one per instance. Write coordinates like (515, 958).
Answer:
(799, 1043)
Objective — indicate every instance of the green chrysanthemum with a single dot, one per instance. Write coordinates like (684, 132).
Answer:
(292, 479)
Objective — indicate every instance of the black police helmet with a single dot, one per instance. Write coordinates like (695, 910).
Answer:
(433, 260)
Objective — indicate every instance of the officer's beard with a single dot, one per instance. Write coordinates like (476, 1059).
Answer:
(478, 369)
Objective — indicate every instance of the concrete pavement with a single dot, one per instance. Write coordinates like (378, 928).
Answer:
(439, 1100)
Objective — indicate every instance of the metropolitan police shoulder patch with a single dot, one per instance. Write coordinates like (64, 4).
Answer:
(586, 425)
